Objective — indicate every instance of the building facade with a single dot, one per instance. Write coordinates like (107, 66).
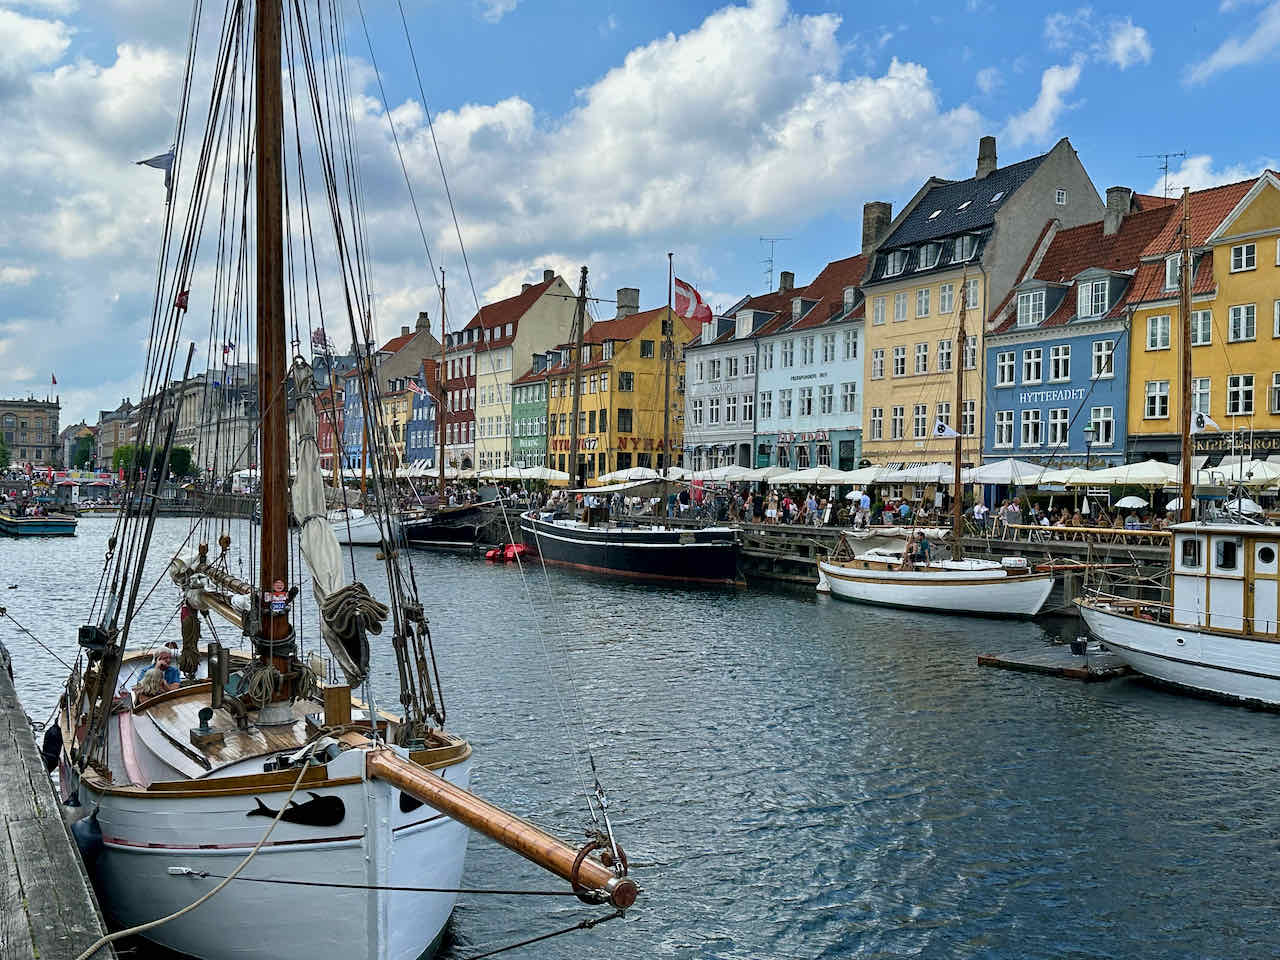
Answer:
(809, 379)
(1057, 350)
(956, 242)
(1235, 328)
(421, 443)
(720, 384)
(30, 430)
(529, 416)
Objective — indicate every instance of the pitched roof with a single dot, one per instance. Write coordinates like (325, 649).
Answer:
(396, 343)
(964, 205)
(1208, 209)
(827, 290)
(622, 328)
(496, 315)
(1076, 249)
(1149, 201)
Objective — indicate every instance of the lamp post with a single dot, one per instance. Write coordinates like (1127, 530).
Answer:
(1088, 458)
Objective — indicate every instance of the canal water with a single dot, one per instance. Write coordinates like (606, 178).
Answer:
(795, 777)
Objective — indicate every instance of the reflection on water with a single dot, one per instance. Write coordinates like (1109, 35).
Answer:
(798, 777)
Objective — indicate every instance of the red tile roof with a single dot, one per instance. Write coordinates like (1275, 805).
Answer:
(1149, 201)
(1208, 209)
(828, 289)
(496, 315)
(395, 343)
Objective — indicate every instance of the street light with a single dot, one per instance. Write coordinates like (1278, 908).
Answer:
(1088, 457)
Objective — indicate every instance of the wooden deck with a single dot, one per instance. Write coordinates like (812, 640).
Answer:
(1058, 661)
(47, 908)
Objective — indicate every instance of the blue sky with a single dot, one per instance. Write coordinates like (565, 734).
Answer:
(607, 134)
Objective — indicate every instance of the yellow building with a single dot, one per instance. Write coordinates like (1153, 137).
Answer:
(967, 238)
(397, 410)
(620, 419)
(1235, 327)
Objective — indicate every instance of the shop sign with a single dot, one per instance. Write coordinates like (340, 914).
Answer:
(819, 435)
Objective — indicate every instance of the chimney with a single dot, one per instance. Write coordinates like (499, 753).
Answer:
(986, 156)
(876, 217)
(525, 286)
(548, 276)
(404, 331)
(628, 301)
(424, 321)
(1119, 204)
(786, 281)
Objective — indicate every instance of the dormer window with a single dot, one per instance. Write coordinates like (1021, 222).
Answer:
(1030, 308)
(797, 307)
(849, 294)
(929, 254)
(1172, 267)
(1091, 298)
(606, 351)
(998, 195)
(895, 263)
(586, 353)
(966, 247)
(506, 331)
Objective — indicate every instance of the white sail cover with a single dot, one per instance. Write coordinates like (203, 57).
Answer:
(320, 547)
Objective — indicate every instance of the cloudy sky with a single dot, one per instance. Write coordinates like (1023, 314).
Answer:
(604, 133)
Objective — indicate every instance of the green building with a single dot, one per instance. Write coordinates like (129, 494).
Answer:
(529, 417)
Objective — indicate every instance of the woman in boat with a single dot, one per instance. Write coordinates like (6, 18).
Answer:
(161, 677)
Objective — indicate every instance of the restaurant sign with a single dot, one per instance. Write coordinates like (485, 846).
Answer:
(820, 435)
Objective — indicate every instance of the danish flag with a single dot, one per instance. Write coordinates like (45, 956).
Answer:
(689, 303)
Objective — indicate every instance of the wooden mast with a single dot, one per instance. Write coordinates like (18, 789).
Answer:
(1184, 336)
(579, 319)
(667, 325)
(957, 500)
(443, 393)
(276, 635)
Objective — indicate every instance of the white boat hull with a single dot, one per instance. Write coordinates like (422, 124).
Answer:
(356, 528)
(155, 851)
(985, 593)
(1234, 667)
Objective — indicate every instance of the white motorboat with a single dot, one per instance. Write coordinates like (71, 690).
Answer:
(1218, 634)
(355, 527)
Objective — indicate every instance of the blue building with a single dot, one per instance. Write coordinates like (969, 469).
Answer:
(352, 421)
(420, 441)
(1057, 350)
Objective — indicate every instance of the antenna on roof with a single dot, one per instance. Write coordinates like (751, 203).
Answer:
(1164, 159)
(768, 261)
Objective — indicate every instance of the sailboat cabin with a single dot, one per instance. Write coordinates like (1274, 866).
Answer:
(1226, 577)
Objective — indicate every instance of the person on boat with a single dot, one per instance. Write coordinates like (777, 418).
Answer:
(864, 510)
(921, 554)
(161, 677)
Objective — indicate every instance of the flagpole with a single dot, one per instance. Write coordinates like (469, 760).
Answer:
(1184, 335)
(667, 328)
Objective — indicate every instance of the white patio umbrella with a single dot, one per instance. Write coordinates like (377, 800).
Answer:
(1136, 503)
(728, 473)
(766, 473)
(863, 475)
(1007, 471)
(925, 473)
(1174, 505)
(543, 473)
(677, 473)
(817, 475)
(1254, 473)
(630, 474)
(1148, 473)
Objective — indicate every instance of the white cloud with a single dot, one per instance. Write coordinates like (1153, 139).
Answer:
(988, 79)
(1063, 31)
(495, 10)
(1037, 121)
(17, 276)
(1197, 172)
(1127, 44)
(670, 149)
(1238, 51)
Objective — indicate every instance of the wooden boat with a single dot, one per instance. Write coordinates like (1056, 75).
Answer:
(249, 808)
(447, 527)
(53, 525)
(355, 527)
(963, 585)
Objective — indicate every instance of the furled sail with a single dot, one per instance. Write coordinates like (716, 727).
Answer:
(347, 612)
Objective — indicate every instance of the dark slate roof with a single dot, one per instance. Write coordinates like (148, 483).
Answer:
(945, 258)
(947, 196)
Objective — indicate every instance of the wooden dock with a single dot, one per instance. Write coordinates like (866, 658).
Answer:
(47, 907)
(1057, 660)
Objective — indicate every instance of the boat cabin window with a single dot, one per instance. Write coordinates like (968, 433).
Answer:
(1191, 555)
(1226, 555)
(1266, 555)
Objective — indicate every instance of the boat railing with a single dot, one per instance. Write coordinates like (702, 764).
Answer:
(1036, 533)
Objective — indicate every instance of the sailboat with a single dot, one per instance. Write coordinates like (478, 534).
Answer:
(1219, 633)
(249, 807)
(637, 549)
(966, 585)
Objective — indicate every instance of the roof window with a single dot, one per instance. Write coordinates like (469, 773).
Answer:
(934, 214)
(999, 194)
(963, 205)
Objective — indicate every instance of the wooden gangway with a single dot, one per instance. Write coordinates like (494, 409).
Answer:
(47, 907)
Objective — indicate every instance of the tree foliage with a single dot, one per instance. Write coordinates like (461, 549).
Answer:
(180, 462)
(82, 452)
(133, 457)
(5, 457)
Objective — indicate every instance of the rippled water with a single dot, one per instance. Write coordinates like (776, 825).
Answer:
(798, 777)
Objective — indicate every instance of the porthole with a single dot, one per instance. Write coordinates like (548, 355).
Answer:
(1266, 555)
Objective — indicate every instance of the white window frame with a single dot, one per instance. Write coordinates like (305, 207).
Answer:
(895, 262)
(1158, 335)
(828, 348)
(1097, 417)
(1032, 434)
(969, 418)
(1033, 365)
(1006, 368)
(922, 357)
(898, 423)
(1275, 392)
(877, 363)
(900, 306)
(877, 423)
(944, 355)
(965, 247)
(1247, 259)
(878, 311)
(922, 302)
(1245, 316)
(851, 344)
(1059, 362)
(730, 367)
(926, 249)
(1060, 197)
(1030, 308)
(788, 354)
(766, 356)
(748, 408)
(697, 414)
(1240, 395)
(1091, 298)
(806, 402)
(946, 298)
(806, 350)
(1201, 395)
(1103, 353)
(900, 360)
(826, 399)
(971, 352)
(784, 404)
(1004, 429)
(766, 404)
(1201, 328)
(1059, 426)
(849, 396)
(1172, 266)
(972, 293)
(1156, 400)
(713, 411)
(920, 421)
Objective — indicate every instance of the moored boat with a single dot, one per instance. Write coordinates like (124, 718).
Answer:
(52, 525)
(446, 527)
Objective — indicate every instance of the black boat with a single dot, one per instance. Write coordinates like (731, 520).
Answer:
(645, 551)
(446, 527)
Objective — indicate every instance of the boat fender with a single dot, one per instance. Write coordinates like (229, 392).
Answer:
(88, 836)
(824, 586)
(51, 747)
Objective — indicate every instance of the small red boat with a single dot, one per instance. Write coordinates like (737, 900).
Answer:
(506, 553)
